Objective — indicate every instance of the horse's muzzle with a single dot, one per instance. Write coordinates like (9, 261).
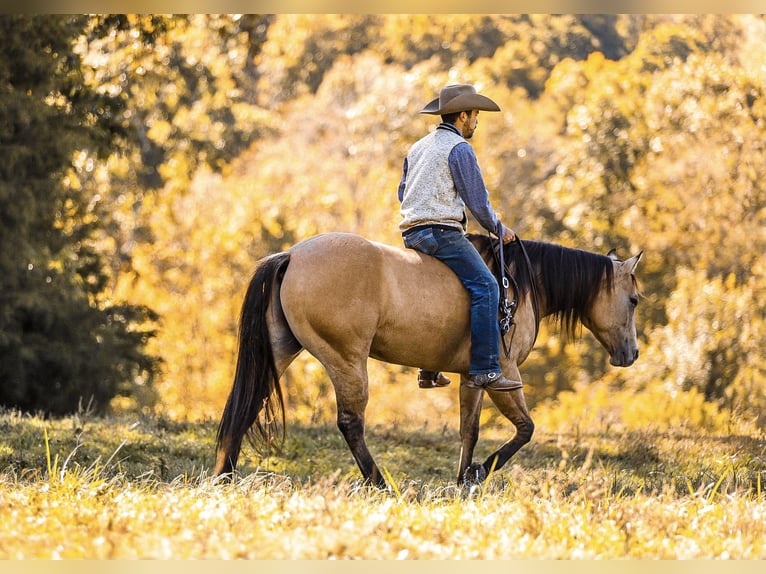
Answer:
(624, 357)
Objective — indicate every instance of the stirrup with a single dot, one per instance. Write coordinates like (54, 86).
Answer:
(432, 379)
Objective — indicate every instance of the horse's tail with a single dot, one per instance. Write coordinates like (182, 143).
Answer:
(256, 390)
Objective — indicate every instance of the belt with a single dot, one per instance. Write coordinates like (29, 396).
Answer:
(430, 226)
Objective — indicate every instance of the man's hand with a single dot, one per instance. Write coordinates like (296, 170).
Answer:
(509, 235)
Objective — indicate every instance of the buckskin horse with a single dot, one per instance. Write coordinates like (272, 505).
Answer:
(344, 298)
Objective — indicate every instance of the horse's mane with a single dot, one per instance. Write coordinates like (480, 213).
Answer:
(567, 279)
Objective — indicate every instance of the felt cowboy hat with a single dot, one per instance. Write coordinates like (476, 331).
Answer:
(459, 98)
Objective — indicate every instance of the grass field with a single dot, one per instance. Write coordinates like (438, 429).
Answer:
(83, 487)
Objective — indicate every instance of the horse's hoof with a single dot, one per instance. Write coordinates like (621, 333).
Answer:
(474, 474)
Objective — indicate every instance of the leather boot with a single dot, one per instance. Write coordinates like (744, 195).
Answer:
(432, 379)
(492, 382)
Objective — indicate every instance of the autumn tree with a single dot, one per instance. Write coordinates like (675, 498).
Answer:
(599, 115)
(188, 85)
(663, 150)
(245, 134)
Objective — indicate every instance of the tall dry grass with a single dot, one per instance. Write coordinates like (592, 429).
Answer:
(122, 488)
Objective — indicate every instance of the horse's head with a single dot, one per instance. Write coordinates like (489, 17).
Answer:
(611, 318)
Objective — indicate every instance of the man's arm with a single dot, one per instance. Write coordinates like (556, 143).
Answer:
(470, 186)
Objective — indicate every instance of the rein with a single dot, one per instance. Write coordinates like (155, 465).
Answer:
(508, 308)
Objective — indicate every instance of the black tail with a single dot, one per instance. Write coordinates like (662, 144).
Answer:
(256, 390)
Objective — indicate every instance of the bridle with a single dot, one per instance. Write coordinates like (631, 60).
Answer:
(508, 307)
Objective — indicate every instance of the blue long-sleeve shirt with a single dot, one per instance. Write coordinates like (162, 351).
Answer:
(469, 183)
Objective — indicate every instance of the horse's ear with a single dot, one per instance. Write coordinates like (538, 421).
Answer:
(613, 255)
(632, 263)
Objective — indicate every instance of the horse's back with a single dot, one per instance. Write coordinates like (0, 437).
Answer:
(366, 298)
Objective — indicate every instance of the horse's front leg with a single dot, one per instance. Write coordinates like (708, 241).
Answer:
(470, 409)
(514, 406)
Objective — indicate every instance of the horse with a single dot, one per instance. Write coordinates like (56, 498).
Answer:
(345, 298)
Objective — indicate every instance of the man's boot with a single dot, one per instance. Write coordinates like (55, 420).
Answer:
(432, 379)
(492, 382)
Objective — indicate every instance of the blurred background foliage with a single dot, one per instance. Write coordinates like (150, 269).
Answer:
(152, 160)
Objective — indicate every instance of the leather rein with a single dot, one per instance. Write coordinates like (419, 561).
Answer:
(508, 308)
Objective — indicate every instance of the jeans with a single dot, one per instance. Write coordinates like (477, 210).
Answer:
(458, 253)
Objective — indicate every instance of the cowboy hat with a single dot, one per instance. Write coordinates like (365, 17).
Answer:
(459, 98)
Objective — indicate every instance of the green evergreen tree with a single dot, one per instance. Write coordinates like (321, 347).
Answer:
(60, 341)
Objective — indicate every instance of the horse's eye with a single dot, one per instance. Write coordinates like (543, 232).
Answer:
(633, 300)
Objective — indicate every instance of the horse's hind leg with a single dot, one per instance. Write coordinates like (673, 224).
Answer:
(351, 395)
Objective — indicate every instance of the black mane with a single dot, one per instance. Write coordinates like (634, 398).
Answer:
(567, 279)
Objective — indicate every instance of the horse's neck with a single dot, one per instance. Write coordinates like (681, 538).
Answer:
(566, 281)
(544, 259)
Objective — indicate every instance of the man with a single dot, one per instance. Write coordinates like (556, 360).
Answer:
(440, 178)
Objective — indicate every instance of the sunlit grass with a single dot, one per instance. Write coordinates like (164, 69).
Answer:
(116, 488)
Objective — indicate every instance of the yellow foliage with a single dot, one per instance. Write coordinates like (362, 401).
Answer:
(660, 149)
(601, 408)
(180, 276)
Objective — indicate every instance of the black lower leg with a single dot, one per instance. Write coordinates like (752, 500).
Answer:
(351, 426)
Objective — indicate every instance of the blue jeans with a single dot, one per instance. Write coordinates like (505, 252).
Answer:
(458, 253)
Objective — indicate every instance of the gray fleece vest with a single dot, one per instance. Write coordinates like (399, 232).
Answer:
(429, 195)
